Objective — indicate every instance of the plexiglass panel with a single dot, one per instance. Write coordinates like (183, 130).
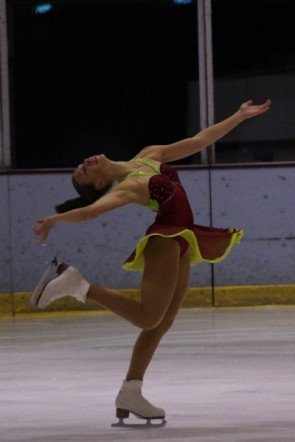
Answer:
(100, 76)
(253, 50)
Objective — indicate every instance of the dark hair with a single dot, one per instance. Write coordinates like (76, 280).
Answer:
(88, 195)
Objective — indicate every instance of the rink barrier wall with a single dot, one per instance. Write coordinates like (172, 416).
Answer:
(259, 198)
(18, 304)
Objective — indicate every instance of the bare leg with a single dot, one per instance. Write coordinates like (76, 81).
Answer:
(161, 258)
(148, 340)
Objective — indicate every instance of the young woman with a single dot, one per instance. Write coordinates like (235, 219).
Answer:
(171, 245)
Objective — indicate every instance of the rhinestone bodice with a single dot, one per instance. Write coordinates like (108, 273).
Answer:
(173, 205)
(167, 196)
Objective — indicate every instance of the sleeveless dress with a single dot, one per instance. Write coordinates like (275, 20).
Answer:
(174, 219)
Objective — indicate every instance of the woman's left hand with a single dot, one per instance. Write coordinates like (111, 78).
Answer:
(249, 110)
(43, 229)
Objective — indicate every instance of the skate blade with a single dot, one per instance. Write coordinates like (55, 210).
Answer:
(42, 283)
(147, 424)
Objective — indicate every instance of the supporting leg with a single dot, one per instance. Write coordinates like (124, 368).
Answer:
(130, 397)
(149, 340)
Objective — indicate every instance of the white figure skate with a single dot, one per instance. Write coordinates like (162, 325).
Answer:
(130, 400)
(70, 282)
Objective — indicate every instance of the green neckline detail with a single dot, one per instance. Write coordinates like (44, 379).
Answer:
(146, 162)
(154, 205)
(136, 173)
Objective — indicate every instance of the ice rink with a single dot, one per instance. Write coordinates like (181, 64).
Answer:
(221, 375)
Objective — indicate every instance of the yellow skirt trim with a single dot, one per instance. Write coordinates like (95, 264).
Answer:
(138, 263)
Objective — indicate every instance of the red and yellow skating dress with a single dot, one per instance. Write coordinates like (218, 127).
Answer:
(175, 220)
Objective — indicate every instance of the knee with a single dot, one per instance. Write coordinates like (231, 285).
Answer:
(161, 325)
(150, 322)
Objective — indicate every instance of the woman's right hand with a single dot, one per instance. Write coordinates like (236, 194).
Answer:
(43, 229)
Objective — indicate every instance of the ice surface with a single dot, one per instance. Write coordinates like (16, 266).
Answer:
(221, 374)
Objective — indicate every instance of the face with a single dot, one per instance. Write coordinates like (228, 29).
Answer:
(91, 171)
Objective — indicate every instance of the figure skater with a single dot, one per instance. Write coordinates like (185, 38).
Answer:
(171, 245)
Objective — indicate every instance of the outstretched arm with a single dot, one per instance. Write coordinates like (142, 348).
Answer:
(190, 146)
(116, 198)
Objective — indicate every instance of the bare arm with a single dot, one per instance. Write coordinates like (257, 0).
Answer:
(190, 146)
(114, 199)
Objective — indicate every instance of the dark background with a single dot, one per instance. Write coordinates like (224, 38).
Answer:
(112, 76)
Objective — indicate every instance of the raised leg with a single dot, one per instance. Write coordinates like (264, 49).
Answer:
(157, 288)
